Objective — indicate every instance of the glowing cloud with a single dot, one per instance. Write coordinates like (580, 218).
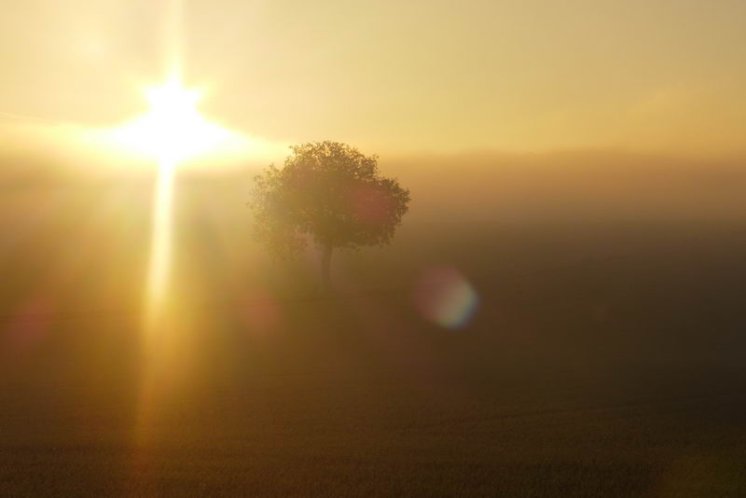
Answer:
(445, 297)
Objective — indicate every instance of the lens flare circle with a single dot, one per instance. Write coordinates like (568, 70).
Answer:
(444, 296)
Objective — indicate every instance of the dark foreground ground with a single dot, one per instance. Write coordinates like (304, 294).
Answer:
(602, 361)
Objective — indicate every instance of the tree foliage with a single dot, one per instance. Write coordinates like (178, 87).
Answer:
(328, 192)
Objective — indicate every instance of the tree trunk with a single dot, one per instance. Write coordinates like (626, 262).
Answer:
(326, 262)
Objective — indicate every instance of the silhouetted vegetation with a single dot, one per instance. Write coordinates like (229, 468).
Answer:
(332, 193)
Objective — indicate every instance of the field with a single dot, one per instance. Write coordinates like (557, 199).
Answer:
(605, 358)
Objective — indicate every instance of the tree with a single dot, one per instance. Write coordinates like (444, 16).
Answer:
(328, 192)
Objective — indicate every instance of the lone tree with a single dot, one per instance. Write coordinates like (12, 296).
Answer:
(328, 192)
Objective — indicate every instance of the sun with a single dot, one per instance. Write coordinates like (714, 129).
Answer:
(172, 130)
(169, 134)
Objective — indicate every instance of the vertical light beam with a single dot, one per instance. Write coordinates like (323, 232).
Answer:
(159, 134)
(161, 236)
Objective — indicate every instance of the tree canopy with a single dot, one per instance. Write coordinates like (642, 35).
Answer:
(328, 192)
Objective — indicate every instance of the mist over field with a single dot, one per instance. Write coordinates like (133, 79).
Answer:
(79, 232)
(604, 355)
(96, 216)
(547, 204)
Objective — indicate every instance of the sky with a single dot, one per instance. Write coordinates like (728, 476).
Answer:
(390, 76)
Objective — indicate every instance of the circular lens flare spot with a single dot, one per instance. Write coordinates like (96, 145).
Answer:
(28, 327)
(261, 313)
(445, 297)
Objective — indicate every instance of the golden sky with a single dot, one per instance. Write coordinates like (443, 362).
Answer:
(420, 75)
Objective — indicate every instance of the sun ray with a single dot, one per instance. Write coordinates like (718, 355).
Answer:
(161, 236)
(171, 132)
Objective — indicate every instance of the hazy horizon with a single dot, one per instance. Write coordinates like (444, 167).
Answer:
(662, 77)
(535, 289)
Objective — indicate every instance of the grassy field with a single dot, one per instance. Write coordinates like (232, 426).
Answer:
(604, 359)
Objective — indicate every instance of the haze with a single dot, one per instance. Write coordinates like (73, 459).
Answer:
(555, 308)
(661, 76)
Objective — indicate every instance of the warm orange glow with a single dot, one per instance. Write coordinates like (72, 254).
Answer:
(173, 130)
(160, 256)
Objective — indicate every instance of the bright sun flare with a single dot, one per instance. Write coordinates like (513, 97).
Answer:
(173, 130)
